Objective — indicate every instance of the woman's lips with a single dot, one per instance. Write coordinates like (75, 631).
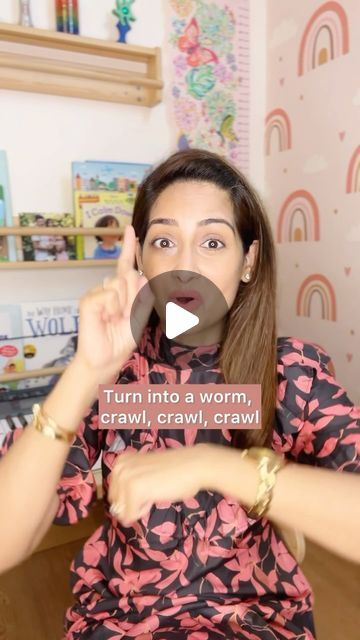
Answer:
(189, 300)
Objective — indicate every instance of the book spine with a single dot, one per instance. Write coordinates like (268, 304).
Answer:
(4, 257)
(4, 181)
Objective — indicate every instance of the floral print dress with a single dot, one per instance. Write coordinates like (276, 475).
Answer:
(200, 569)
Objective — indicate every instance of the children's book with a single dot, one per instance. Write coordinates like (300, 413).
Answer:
(101, 209)
(47, 247)
(49, 332)
(93, 175)
(104, 196)
(7, 244)
(11, 343)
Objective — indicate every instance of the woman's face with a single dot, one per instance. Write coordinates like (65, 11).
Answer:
(192, 229)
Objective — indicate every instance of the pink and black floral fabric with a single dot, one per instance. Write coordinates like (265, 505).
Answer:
(200, 569)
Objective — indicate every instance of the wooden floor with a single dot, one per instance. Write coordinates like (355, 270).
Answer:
(33, 597)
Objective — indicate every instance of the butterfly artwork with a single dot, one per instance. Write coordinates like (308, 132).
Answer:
(189, 43)
(227, 129)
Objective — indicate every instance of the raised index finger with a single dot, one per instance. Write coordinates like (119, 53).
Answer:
(127, 256)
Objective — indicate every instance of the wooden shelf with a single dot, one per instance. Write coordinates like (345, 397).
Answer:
(59, 231)
(35, 373)
(68, 65)
(57, 264)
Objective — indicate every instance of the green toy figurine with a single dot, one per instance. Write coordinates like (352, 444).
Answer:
(124, 12)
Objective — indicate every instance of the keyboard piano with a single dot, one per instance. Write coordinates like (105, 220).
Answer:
(16, 407)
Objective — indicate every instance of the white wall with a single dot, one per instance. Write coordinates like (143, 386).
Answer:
(42, 134)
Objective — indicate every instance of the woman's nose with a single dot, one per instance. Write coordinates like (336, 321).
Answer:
(185, 275)
(186, 262)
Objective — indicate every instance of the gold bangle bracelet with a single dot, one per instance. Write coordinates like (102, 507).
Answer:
(49, 428)
(268, 464)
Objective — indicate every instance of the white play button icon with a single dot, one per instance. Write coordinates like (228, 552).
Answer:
(177, 303)
(178, 320)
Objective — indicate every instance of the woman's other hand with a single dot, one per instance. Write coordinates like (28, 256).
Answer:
(105, 333)
(138, 480)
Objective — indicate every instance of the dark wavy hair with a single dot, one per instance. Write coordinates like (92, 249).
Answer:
(249, 345)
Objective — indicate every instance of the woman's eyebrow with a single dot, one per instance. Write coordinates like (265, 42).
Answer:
(173, 222)
(163, 221)
(221, 220)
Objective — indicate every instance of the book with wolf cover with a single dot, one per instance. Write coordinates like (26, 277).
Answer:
(49, 332)
(104, 196)
(7, 244)
(46, 247)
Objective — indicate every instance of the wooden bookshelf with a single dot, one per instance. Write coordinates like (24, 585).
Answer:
(58, 231)
(51, 264)
(35, 373)
(42, 64)
(56, 264)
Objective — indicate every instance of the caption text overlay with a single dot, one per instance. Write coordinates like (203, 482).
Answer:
(211, 406)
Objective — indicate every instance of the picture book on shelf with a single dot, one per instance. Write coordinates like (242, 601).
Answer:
(46, 247)
(49, 332)
(104, 196)
(7, 244)
(93, 175)
(11, 344)
(98, 209)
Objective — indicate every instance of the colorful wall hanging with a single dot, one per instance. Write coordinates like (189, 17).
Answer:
(209, 48)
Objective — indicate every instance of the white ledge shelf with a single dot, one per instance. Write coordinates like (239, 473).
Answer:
(70, 65)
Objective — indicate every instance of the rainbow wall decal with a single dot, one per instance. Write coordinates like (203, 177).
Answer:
(326, 37)
(353, 176)
(278, 125)
(299, 219)
(316, 284)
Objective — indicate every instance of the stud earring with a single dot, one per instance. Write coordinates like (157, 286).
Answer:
(247, 277)
(141, 273)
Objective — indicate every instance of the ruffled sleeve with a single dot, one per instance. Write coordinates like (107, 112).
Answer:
(317, 423)
(77, 486)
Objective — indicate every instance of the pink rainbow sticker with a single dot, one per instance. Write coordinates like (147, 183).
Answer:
(353, 175)
(325, 38)
(299, 219)
(317, 285)
(278, 126)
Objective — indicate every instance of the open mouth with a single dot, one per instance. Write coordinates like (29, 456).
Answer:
(190, 300)
(183, 300)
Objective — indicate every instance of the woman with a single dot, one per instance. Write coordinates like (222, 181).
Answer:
(179, 555)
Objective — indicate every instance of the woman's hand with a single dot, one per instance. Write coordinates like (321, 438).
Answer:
(105, 337)
(138, 480)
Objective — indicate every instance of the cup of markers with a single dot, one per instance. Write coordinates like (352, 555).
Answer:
(67, 16)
